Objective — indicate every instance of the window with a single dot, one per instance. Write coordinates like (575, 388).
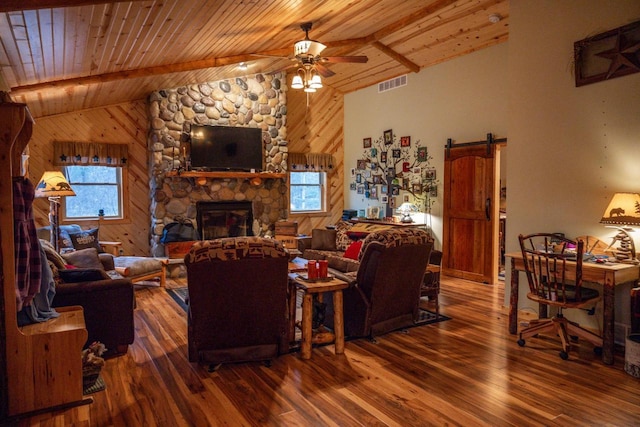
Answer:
(97, 188)
(307, 191)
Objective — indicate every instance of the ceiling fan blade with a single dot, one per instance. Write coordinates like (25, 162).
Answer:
(359, 59)
(282, 69)
(324, 71)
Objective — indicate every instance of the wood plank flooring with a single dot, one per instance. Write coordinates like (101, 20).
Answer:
(466, 371)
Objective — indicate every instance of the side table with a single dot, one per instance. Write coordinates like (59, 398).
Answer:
(318, 287)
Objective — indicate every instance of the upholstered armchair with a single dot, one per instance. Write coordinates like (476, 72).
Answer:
(237, 300)
(386, 293)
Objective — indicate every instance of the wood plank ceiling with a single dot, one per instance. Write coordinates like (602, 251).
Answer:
(59, 56)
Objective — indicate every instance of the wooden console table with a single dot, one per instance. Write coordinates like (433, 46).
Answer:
(607, 275)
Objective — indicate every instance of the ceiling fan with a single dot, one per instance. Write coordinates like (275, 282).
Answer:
(310, 63)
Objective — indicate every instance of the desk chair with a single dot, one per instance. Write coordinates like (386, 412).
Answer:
(545, 258)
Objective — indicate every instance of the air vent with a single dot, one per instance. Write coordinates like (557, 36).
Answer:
(392, 84)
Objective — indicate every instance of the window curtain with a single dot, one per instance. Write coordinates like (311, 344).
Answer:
(89, 154)
(310, 162)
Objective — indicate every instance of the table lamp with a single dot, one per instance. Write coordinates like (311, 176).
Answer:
(623, 213)
(406, 209)
(54, 185)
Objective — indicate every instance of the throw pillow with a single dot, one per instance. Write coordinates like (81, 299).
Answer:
(86, 239)
(52, 256)
(342, 239)
(323, 240)
(84, 258)
(353, 250)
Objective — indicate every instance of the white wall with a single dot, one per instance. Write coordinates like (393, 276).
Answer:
(570, 148)
(463, 99)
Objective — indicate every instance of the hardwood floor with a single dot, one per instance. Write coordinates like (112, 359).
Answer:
(464, 371)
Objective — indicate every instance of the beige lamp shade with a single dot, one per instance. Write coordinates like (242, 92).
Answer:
(624, 209)
(53, 184)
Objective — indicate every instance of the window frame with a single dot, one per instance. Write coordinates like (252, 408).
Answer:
(122, 184)
(324, 193)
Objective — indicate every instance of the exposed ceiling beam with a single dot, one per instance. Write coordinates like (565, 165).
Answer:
(14, 5)
(396, 56)
(148, 71)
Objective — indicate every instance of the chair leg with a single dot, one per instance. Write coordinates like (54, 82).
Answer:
(538, 328)
(575, 330)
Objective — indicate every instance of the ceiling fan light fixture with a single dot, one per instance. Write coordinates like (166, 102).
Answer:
(308, 47)
(316, 81)
(296, 83)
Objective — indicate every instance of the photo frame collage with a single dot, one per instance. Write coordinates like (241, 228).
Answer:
(391, 171)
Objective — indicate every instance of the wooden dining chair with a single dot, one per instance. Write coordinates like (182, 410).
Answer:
(550, 283)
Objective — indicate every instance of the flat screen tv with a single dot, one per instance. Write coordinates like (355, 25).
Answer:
(225, 148)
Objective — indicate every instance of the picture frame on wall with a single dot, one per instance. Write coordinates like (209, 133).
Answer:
(388, 137)
(352, 186)
(395, 153)
(384, 199)
(433, 191)
(366, 142)
(362, 164)
(358, 178)
(422, 154)
(377, 179)
(406, 167)
(405, 141)
(360, 189)
(383, 189)
(383, 157)
(374, 152)
(430, 174)
(417, 188)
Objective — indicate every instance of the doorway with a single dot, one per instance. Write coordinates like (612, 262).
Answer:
(472, 238)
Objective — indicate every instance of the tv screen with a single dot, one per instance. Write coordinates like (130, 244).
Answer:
(217, 148)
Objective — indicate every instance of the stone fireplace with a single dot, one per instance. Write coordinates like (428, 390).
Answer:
(252, 101)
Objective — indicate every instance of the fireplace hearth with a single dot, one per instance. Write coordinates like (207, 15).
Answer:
(224, 219)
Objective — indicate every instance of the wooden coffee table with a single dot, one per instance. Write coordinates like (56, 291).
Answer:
(318, 287)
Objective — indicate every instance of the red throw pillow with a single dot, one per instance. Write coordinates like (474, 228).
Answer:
(353, 250)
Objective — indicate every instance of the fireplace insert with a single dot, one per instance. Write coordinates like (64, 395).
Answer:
(224, 219)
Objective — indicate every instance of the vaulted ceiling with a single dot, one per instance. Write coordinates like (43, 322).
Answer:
(59, 56)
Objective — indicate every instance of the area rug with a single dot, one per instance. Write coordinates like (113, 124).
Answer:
(425, 317)
(99, 385)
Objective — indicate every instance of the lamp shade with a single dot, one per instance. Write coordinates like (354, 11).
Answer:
(53, 184)
(624, 209)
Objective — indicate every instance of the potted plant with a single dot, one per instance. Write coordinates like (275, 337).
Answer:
(92, 363)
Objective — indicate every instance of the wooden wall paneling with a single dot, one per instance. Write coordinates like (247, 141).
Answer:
(118, 123)
(318, 128)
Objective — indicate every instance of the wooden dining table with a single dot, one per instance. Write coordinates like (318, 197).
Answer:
(608, 274)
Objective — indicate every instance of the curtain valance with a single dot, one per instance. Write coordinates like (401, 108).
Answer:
(89, 154)
(310, 162)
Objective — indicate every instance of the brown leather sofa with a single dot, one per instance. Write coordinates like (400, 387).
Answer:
(107, 299)
(386, 293)
(237, 300)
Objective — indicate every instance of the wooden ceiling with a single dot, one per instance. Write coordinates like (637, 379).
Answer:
(59, 56)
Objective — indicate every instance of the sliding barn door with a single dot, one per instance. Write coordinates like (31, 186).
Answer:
(470, 213)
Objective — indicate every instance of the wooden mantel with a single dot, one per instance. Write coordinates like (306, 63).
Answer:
(227, 174)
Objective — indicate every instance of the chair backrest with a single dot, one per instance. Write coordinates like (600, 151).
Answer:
(545, 257)
(237, 299)
(390, 275)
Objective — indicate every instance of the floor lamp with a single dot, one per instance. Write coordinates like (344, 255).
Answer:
(54, 185)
